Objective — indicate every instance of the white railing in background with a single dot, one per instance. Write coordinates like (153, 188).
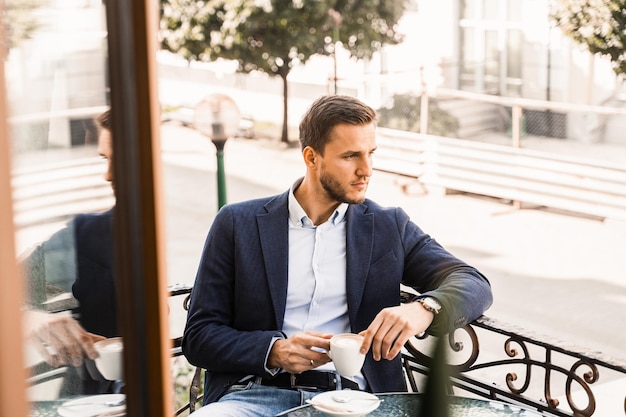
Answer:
(521, 175)
(517, 106)
(79, 113)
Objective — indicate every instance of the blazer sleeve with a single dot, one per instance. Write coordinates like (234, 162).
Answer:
(463, 291)
(226, 330)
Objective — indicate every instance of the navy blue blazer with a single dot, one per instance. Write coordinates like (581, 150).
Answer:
(86, 245)
(94, 287)
(239, 296)
(95, 291)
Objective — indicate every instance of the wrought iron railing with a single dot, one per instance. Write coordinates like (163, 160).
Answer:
(490, 359)
(493, 360)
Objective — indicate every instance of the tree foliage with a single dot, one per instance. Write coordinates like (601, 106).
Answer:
(599, 25)
(274, 35)
(20, 20)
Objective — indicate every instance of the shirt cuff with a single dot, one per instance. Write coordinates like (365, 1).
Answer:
(273, 371)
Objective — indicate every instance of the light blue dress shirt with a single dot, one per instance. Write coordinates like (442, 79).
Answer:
(316, 293)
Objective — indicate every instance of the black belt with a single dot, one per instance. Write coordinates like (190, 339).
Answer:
(310, 380)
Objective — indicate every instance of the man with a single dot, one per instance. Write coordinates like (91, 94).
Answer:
(280, 275)
(77, 258)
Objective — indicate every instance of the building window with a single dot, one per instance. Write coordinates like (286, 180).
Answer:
(491, 46)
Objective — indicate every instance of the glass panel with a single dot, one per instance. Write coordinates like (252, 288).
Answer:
(513, 90)
(492, 53)
(491, 9)
(56, 85)
(468, 52)
(468, 8)
(514, 50)
(514, 10)
(492, 62)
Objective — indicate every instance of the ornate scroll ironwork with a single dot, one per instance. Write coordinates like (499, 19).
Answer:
(531, 365)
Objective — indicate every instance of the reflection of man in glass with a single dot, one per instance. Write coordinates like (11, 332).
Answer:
(78, 258)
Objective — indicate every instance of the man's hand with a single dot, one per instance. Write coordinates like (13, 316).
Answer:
(300, 353)
(59, 339)
(392, 327)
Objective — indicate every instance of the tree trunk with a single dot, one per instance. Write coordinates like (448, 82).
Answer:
(285, 135)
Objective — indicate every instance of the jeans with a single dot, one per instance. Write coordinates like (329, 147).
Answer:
(255, 400)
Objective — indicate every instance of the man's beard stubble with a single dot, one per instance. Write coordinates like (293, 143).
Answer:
(335, 191)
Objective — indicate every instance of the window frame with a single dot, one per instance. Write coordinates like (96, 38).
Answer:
(481, 28)
(139, 225)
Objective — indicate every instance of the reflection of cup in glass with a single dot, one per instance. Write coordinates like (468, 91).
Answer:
(345, 353)
(109, 363)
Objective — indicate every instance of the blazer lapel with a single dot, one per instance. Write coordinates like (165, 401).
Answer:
(274, 233)
(359, 243)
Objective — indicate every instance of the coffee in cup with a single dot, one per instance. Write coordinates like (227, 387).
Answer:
(109, 361)
(345, 351)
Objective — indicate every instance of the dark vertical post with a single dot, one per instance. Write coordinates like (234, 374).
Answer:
(139, 244)
(436, 400)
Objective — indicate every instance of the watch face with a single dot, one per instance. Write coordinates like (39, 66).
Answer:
(434, 303)
(431, 304)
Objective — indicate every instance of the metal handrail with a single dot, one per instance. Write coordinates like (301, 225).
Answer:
(529, 103)
(520, 175)
(558, 368)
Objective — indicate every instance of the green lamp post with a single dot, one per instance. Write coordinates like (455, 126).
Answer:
(217, 116)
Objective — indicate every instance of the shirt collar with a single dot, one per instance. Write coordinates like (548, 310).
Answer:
(298, 216)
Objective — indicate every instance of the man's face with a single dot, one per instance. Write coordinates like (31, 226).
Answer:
(105, 149)
(346, 166)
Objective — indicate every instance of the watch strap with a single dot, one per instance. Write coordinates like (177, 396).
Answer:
(430, 304)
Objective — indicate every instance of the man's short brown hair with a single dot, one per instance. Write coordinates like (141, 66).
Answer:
(329, 111)
(103, 120)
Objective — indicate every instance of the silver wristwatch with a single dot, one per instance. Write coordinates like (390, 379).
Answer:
(430, 304)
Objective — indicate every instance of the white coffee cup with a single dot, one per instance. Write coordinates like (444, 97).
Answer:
(110, 359)
(345, 351)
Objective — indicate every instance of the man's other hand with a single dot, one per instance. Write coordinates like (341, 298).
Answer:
(59, 338)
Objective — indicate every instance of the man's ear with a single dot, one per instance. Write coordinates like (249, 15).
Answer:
(310, 157)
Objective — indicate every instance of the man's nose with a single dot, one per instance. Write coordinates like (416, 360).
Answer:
(365, 168)
(108, 174)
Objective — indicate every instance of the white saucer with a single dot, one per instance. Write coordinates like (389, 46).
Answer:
(91, 406)
(360, 403)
